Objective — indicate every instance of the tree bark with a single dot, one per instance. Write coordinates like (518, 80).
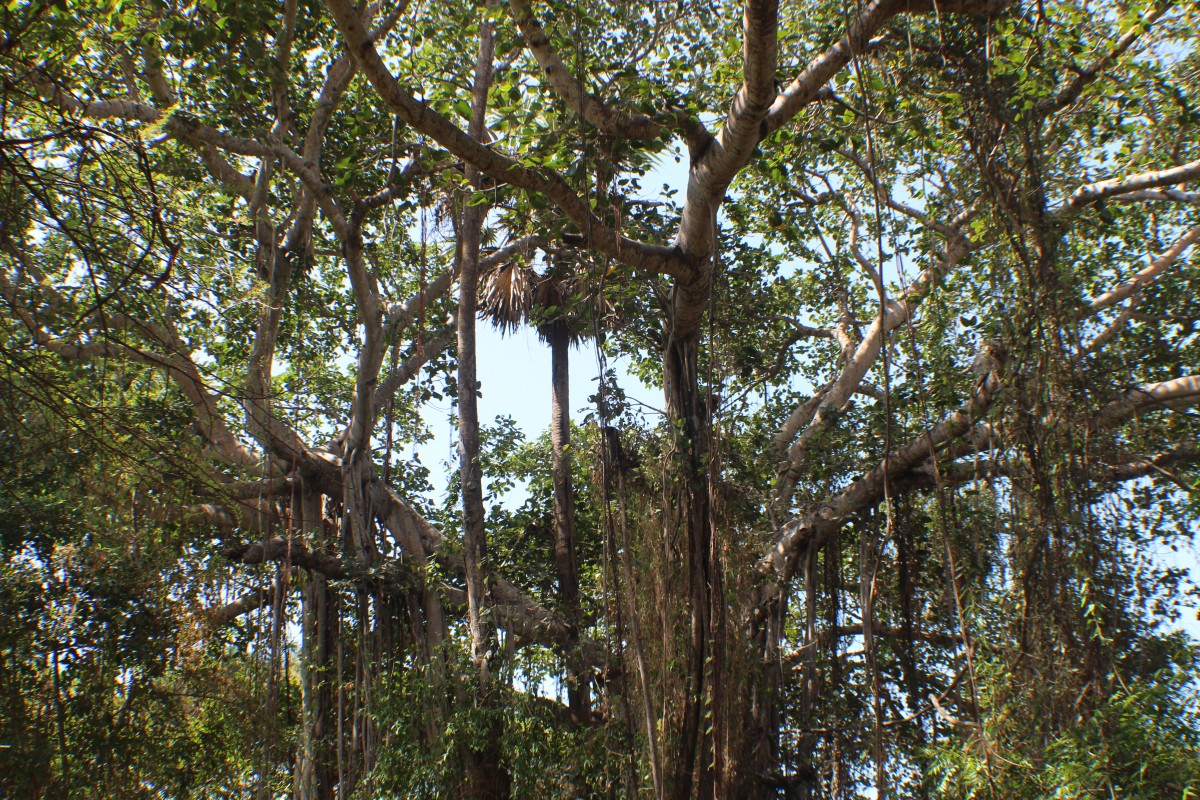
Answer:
(316, 757)
(316, 768)
(692, 774)
(566, 561)
(485, 775)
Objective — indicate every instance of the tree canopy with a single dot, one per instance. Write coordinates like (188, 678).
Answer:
(924, 320)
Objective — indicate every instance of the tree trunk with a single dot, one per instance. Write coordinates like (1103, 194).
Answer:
(316, 757)
(316, 762)
(717, 750)
(566, 563)
(485, 774)
(689, 515)
(474, 543)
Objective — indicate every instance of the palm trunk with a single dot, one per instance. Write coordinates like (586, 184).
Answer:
(566, 562)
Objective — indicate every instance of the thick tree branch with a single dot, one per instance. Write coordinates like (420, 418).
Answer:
(1132, 468)
(1069, 92)
(804, 88)
(722, 157)
(1143, 278)
(576, 98)
(833, 399)
(800, 418)
(1112, 187)
(553, 186)
(1115, 327)
(812, 529)
(1105, 472)
(294, 551)
(1179, 393)
(1158, 195)
(432, 347)
(175, 361)
(742, 129)
(756, 112)
(518, 612)
(192, 131)
(251, 600)
(369, 305)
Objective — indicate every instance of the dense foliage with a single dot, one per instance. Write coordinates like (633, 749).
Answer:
(912, 521)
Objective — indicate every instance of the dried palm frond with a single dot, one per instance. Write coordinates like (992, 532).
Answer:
(504, 296)
(567, 302)
(551, 300)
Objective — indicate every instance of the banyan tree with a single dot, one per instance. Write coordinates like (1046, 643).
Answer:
(915, 282)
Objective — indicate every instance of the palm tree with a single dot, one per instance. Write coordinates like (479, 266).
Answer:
(510, 296)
